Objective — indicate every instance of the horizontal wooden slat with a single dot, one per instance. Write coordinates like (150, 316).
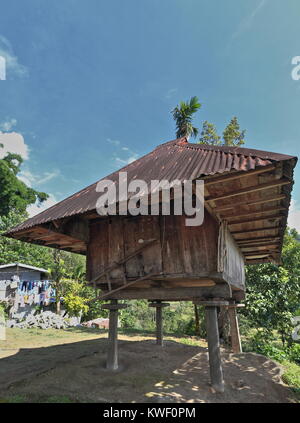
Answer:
(257, 219)
(229, 177)
(256, 239)
(271, 228)
(253, 188)
(250, 213)
(249, 203)
(248, 247)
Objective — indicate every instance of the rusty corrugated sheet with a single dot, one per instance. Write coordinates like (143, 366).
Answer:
(176, 159)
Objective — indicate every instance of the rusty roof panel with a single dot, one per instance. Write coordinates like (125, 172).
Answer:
(177, 159)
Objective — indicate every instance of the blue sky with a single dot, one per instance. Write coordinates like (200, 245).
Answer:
(90, 84)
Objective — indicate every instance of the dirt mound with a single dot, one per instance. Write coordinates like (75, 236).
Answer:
(148, 373)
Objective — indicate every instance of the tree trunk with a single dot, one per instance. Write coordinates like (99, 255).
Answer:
(57, 301)
(197, 321)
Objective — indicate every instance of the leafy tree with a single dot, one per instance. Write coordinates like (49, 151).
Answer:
(273, 293)
(12, 251)
(183, 114)
(232, 134)
(15, 195)
(65, 267)
(209, 134)
(74, 297)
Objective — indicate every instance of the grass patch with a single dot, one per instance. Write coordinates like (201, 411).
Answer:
(291, 375)
(17, 399)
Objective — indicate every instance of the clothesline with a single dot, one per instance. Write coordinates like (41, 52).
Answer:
(34, 292)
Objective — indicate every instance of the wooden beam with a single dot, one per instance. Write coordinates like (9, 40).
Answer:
(252, 243)
(250, 213)
(229, 177)
(255, 239)
(249, 203)
(259, 261)
(253, 188)
(259, 254)
(258, 219)
(271, 228)
(111, 293)
(267, 244)
(173, 294)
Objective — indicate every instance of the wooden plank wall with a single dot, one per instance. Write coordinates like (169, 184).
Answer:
(187, 249)
(181, 249)
(230, 259)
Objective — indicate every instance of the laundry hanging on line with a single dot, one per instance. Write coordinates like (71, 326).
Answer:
(35, 292)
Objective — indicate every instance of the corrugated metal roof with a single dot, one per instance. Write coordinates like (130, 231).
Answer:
(26, 266)
(177, 159)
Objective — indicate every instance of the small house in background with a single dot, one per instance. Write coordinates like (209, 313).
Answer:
(19, 277)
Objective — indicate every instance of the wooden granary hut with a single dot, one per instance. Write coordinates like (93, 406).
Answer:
(158, 257)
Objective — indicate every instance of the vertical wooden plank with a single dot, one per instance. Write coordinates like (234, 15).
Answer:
(116, 246)
(136, 231)
(200, 245)
(134, 266)
(234, 330)
(97, 252)
(172, 249)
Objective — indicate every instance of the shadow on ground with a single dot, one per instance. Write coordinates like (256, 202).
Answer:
(75, 372)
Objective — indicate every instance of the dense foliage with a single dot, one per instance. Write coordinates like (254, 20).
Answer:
(15, 195)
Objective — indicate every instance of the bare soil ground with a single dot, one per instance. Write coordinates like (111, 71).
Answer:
(70, 367)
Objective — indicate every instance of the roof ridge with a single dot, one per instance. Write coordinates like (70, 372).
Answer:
(233, 149)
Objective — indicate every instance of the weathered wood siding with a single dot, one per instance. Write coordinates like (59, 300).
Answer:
(230, 259)
(180, 250)
(189, 250)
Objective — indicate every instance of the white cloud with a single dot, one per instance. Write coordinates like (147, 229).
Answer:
(294, 216)
(13, 142)
(246, 23)
(35, 209)
(8, 125)
(113, 142)
(170, 93)
(12, 63)
(126, 161)
(27, 177)
(31, 179)
(131, 155)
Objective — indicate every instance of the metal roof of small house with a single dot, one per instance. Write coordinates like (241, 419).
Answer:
(26, 266)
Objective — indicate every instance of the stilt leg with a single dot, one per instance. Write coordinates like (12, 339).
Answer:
(159, 320)
(234, 330)
(112, 353)
(216, 372)
(159, 326)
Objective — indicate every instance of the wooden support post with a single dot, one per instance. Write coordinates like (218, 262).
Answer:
(215, 364)
(234, 330)
(216, 372)
(159, 323)
(112, 353)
